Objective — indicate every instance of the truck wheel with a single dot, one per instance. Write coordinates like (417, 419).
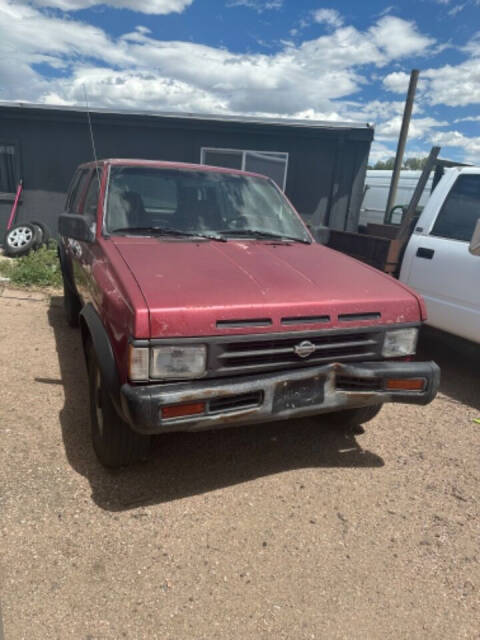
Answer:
(71, 304)
(349, 418)
(114, 442)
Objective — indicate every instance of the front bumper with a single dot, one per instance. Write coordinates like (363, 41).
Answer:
(274, 396)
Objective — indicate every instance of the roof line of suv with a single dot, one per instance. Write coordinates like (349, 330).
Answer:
(166, 164)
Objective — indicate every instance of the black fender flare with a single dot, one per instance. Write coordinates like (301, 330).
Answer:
(103, 349)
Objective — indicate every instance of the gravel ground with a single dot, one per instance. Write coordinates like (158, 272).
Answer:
(290, 530)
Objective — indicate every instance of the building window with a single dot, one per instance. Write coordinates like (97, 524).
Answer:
(273, 164)
(8, 168)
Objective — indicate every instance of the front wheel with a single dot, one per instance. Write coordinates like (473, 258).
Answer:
(348, 418)
(114, 442)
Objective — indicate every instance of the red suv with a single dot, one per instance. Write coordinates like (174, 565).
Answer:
(204, 302)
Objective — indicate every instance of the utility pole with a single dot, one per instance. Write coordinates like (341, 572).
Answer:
(402, 140)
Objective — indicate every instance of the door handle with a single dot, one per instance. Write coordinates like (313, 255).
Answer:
(423, 252)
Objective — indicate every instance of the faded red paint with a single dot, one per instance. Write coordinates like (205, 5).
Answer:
(189, 286)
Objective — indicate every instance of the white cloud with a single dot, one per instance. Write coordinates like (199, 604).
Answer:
(397, 82)
(456, 9)
(399, 38)
(36, 37)
(468, 119)
(377, 110)
(257, 5)
(328, 16)
(141, 6)
(454, 86)
(387, 10)
(132, 67)
(419, 128)
(455, 139)
(132, 90)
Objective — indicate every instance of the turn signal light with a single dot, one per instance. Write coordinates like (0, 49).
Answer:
(405, 384)
(181, 410)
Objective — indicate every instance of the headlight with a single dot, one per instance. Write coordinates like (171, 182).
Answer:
(399, 342)
(178, 362)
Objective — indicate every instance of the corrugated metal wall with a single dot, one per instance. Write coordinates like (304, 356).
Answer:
(326, 168)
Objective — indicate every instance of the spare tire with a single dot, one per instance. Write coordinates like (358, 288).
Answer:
(43, 234)
(20, 239)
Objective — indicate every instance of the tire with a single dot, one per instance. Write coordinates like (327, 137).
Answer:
(71, 305)
(114, 442)
(20, 240)
(349, 418)
(43, 234)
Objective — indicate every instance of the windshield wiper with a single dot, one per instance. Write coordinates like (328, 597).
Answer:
(258, 233)
(168, 231)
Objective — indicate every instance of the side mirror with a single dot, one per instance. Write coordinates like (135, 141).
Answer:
(474, 246)
(71, 225)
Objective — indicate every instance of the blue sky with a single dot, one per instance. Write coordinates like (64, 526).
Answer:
(340, 61)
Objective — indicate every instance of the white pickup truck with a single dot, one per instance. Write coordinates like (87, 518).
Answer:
(442, 258)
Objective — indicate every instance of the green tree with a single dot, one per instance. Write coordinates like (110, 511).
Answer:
(384, 164)
(415, 163)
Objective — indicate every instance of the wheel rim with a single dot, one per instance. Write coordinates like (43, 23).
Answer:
(98, 401)
(19, 237)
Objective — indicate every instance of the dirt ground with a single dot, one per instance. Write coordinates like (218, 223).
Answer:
(290, 530)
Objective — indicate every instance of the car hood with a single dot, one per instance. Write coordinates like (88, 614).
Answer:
(200, 288)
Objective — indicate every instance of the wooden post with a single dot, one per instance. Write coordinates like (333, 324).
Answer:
(417, 194)
(402, 140)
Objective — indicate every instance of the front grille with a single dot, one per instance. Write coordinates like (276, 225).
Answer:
(249, 354)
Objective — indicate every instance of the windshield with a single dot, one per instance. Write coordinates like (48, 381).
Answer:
(148, 199)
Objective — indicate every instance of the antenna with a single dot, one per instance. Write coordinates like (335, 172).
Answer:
(91, 135)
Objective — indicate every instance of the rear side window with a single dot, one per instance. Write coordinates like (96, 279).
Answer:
(91, 199)
(78, 188)
(460, 211)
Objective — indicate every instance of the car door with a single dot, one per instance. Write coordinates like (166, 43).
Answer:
(68, 246)
(83, 253)
(440, 266)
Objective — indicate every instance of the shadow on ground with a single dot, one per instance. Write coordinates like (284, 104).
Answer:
(186, 464)
(458, 360)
